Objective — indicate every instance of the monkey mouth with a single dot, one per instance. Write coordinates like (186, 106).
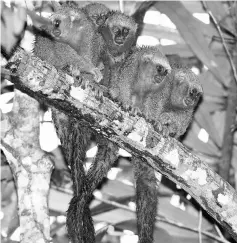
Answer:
(188, 101)
(119, 41)
(56, 33)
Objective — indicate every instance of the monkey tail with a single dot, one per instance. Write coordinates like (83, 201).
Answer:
(106, 156)
(146, 200)
(79, 221)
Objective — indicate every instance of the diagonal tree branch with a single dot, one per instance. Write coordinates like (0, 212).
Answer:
(166, 155)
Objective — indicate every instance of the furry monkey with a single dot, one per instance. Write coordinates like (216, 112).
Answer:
(97, 12)
(185, 94)
(119, 34)
(75, 41)
(172, 104)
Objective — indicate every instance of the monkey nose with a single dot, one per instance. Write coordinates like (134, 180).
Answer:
(119, 41)
(194, 93)
(56, 32)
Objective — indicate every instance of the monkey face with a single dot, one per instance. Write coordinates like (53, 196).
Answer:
(118, 38)
(152, 68)
(97, 13)
(155, 66)
(186, 90)
(65, 25)
(118, 32)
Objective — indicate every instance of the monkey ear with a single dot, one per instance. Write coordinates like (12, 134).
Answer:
(101, 20)
(56, 6)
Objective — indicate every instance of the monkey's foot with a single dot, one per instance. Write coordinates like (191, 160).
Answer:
(84, 84)
(158, 126)
(97, 74)
(135, 111)
(169, 127)
(75, 71)
(99, 93)
(165, 131)
(148, 117)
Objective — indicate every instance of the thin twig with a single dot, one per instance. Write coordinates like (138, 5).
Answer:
(218, 231)
(222, 38)
(200, 226)
(164, 220)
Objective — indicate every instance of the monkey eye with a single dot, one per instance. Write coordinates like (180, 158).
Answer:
(116, 29)
(161, 70)
(125, 31)
(56, 23)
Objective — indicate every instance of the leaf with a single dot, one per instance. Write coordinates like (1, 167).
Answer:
(103, 207)
(37, 20)
(115, 216)
(204, 119)
(190, 30)
(210, 87)
(6, 173)
(99, 234)
(160, 235)
(117, 189)
(12, 26)
(192, 141)
(220, 13)
(217, 9)
(213, 104)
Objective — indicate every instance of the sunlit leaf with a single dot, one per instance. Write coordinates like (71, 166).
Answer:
(204, 119)
(12, 26)
(103, 207)
(213, 104)
(191, 140)
(190, 30)
(210, 87)
(101, 233)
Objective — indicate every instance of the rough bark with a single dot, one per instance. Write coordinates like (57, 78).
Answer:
(30, 165)
(130, 132)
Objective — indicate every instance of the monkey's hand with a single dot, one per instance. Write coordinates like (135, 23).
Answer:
(169, 127)
(97, 74)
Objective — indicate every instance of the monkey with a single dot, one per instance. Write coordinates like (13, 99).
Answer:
(186, 91)
(171, 104)
(97, 12)
(74, 42)
(119, 34)
(142, 72)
